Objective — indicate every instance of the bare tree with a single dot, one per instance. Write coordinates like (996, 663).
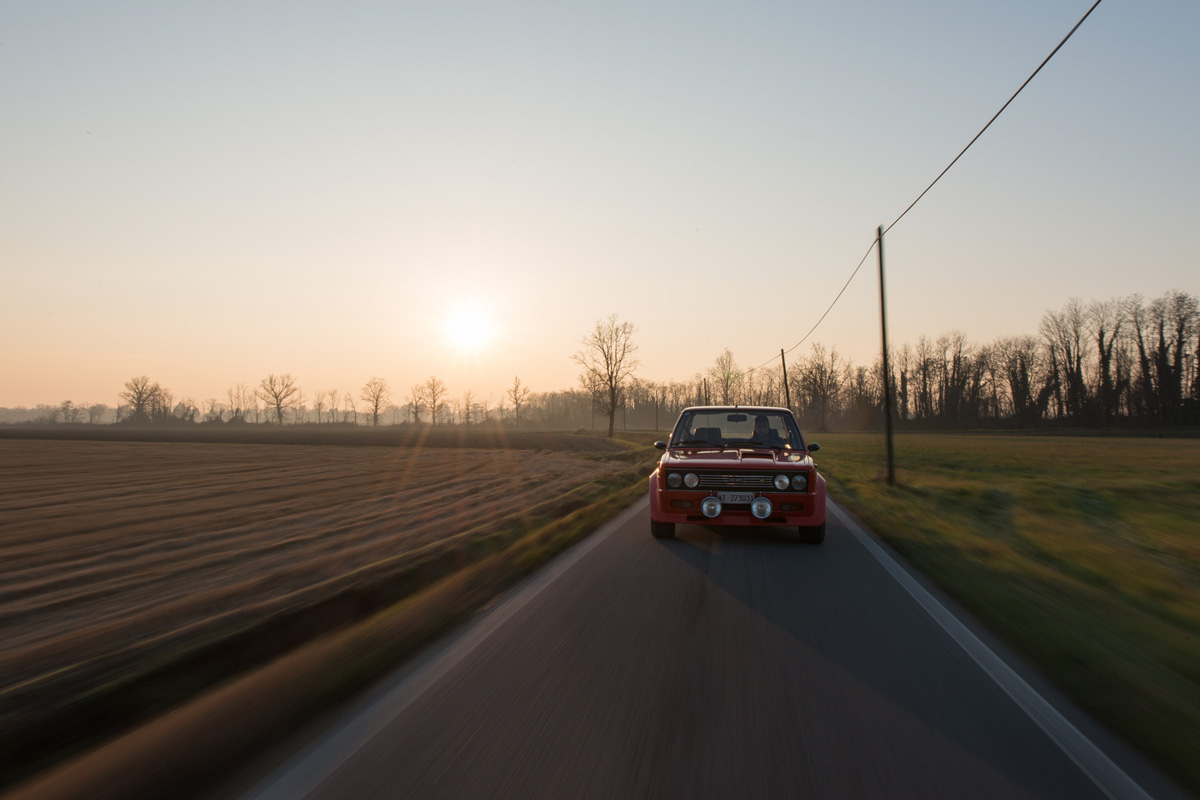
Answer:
(416, 401)
(726, 376)
(162, 405)
(240, 396)
(1104, 321)
(319, 406)
(1065, 337)
(333, 404)
(351, 409)
(608, 360)
(517, 393)
(435, 390)
(212, 410)
(139, 394)
(95, 412)
(70, 412)
(467, 406)
(822, 382)
(376, 395)
(277, 391)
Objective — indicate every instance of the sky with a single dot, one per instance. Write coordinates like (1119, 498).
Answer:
(206, 193)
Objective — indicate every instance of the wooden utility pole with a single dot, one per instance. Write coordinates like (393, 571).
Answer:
(887, 372)
(787, 390)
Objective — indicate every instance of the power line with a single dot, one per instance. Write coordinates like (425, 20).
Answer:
(930, 186)
(831, 305)
(997, 114)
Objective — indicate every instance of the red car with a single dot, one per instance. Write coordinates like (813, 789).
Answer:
(737, 465)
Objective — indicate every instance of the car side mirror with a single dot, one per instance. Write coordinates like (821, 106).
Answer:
(813, 447)
(661, 445)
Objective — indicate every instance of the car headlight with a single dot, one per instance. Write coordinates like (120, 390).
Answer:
(674, 480)
(710, 507)
(781, 482)
(800, 482)
(761, 507)
(691, 480)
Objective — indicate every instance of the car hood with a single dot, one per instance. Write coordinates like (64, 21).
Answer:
(745, 458)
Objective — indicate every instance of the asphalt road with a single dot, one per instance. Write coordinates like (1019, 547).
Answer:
(719, 664)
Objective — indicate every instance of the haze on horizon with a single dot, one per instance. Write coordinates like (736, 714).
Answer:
(207, 194)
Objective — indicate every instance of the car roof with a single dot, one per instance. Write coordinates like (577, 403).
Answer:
(738, 409)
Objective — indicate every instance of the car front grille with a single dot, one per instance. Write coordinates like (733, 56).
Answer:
(736, 480)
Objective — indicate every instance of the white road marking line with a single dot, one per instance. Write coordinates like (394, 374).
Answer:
(1102, 771)
(317, 762)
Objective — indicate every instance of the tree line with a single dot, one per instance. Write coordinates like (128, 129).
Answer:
(1118, 362)
(1124, 361)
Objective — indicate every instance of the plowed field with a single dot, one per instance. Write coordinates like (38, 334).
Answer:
(117, 558)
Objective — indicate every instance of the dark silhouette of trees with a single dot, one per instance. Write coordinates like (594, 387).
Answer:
(1105, 320)
(821, 380)
(1120, 362)
(141, 395)
(608, 358)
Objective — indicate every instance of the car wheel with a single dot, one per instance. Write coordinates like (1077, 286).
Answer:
(812, 534)
(662, 530)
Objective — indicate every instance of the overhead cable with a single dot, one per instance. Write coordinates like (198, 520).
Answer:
(931, 185)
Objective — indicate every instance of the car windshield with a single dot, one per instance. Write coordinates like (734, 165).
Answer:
(737, 428)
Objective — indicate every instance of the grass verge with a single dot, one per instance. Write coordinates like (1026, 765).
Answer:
(1081, 553)
(181, 753)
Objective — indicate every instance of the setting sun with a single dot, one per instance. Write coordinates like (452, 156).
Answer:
(469, 326)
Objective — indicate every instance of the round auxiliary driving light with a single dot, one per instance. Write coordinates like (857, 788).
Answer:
(800, 482)
(674, 480)
(691, 481)
(761, 507)
(781, 482)
(710, 507)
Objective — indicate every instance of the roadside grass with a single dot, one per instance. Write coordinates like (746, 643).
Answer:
(1082, 553)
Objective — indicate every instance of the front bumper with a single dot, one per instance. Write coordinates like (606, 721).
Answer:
(787, 508)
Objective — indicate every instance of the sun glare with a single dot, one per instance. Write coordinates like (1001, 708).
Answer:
(469, 326)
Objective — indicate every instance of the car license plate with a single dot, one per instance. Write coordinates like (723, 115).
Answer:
(732, 498)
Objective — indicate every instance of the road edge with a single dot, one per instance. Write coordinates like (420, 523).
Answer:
(1091, 760)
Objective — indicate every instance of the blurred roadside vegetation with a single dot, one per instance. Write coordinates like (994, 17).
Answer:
(1082, 553)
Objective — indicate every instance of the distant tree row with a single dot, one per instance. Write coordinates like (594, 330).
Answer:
(1123, 361)
(278, 399)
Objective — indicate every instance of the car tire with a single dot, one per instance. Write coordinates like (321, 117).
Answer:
(662, 530)
(812, 534)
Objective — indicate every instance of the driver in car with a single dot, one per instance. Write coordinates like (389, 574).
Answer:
(763, 433)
